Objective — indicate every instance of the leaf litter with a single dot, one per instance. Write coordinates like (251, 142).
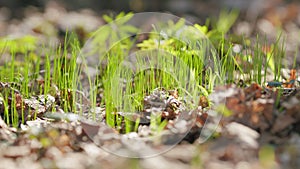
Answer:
(254, 121)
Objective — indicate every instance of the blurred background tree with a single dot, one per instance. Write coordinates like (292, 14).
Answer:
(199, 8)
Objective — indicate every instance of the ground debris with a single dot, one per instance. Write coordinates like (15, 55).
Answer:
(16, 151)
(57, 144)
(256, 107)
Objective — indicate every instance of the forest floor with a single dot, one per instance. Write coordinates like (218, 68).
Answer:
(262, 130)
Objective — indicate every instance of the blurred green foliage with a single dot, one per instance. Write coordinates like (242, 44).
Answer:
(19, 44)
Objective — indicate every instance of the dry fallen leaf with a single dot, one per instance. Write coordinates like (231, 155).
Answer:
(89, 129)
(282, 122)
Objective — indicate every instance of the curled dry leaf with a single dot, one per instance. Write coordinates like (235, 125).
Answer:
(203, 102)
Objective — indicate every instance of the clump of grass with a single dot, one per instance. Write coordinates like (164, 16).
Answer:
(22, 72)
(254, 62)
(163, 60)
